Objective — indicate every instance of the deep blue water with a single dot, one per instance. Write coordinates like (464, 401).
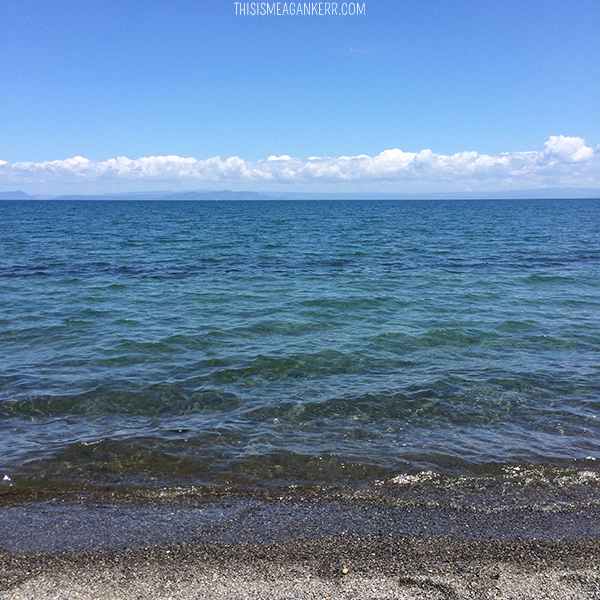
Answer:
(259, 343)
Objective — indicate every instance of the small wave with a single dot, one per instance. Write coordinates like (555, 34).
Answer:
(160, 399)
(547, 279)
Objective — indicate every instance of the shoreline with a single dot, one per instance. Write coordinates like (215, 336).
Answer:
(416, 545)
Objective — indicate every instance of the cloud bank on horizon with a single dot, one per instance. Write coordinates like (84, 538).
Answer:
(564, 162)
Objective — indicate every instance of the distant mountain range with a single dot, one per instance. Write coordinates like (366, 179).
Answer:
(230, 195)
(198, 195)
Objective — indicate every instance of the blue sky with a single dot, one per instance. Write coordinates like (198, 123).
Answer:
(136, 79)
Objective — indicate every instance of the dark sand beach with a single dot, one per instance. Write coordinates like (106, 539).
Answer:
(304, 543)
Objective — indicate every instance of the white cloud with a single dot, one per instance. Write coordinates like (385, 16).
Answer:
(283, 157)
(564, 162)
(568, 149)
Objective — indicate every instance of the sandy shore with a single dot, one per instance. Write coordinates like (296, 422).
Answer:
(241, 548)
(328, 568)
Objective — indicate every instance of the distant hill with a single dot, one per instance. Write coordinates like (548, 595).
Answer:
(223, 195)
(194, 195)
(15, 196)
(535, 194)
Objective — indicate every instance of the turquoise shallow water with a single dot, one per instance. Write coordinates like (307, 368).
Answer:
(261, 343)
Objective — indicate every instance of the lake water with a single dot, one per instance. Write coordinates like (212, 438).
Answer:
(257, 344)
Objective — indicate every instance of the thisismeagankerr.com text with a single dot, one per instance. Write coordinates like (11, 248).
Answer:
(299, 8)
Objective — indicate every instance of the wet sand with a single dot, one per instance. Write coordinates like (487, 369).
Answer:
(303, 546)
